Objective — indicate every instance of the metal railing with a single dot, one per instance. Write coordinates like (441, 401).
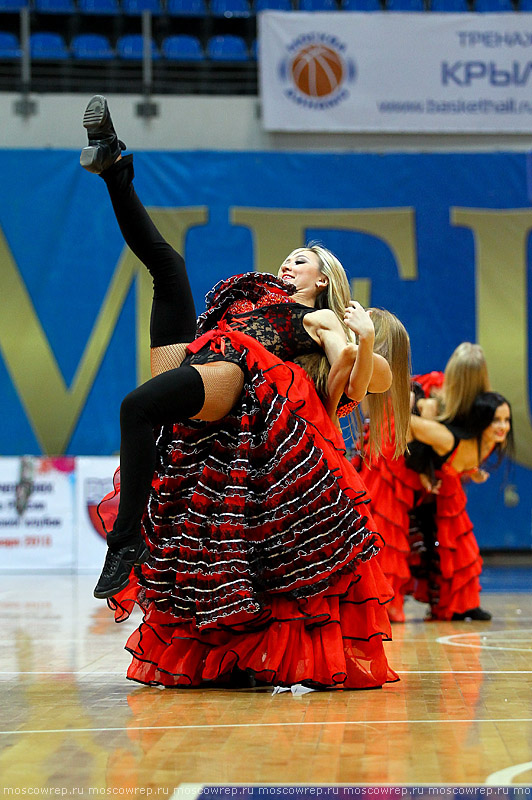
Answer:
(147, 77)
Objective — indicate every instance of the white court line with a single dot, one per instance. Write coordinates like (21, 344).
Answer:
(463, 671)
(60, 672)
(482, 645)
(503, 777)
(323, 723)
(90, 639)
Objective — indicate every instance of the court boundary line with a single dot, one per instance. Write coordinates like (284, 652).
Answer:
(237, 725)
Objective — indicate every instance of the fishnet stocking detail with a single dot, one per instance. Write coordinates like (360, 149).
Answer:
(223, 382)
(167, 357)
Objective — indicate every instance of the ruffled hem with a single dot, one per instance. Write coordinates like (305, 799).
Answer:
(330, 640)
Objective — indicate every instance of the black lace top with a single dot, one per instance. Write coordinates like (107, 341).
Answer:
(279, 328)
(258, 305)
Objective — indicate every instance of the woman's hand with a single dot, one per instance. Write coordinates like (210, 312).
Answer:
(479, 476)
(428, 485)
(359, 321)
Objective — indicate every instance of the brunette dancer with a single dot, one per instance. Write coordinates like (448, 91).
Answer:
(446, 563)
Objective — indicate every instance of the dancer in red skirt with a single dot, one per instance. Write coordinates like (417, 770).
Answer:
(447, 568)
(394, 487)
(250, 525)
(421, 497)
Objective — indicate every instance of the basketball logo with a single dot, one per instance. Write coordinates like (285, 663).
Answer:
(317, 70)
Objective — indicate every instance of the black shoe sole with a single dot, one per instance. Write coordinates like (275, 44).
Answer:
(101, 153)
(95, 113)
(103, 595)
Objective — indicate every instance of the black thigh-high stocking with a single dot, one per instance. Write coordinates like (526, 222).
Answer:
(173, 316)
(173, 395)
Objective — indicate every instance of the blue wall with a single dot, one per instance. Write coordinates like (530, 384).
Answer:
(59, 226)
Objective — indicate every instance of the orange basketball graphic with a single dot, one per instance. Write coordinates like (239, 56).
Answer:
(317, 70)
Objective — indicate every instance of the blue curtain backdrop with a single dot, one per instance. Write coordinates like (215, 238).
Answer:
(60, 230)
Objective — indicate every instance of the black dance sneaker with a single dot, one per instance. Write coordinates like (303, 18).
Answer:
(117, 569)
(472, 615)
(104, 145)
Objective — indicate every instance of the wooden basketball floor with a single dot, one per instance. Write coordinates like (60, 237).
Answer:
(70, 721)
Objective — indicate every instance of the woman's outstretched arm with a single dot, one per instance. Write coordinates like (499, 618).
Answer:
(433, 433)
(355, 369)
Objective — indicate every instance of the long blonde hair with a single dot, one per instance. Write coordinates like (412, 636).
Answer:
(465, 376)
(391, 341)
(336, 296)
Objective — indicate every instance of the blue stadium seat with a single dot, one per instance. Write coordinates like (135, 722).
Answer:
(12, 6)
(490, 6)
(273, 5)
(54, 6)
(186, 8)
(48, 45)
(227, 48)
(405, 5)
(9, 46)
(449, 6)
(130, 47)
(318, 5)
(136, 7)
(99, 6)
(91, 46)
(361, 5)
(182, 47)
(230, 8)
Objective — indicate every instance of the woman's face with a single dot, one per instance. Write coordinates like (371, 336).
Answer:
(498, 429)
(302, 269)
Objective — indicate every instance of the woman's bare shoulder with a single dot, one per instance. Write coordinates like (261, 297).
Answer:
(323, 318)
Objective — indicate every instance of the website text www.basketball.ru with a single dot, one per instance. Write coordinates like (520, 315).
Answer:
(480, 106)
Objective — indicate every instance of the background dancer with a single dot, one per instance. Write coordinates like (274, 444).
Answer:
(394, 486)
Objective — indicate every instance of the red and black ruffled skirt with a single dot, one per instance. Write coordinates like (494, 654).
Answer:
(261, 546)
(452, 585)
(431, 551)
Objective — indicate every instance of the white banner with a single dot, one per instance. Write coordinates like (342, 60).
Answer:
(94, 480)
(426, 72)
(36, 513)
(48, 512)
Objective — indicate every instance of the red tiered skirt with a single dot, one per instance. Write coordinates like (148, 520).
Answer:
(261, 546)
(392, 488)
(448, 578)
(456, 586)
